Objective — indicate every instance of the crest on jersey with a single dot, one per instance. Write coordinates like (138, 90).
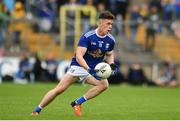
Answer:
(100, 43)
(107, 45)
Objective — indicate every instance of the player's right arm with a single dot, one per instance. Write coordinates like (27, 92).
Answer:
(79, 57)
(81, 61)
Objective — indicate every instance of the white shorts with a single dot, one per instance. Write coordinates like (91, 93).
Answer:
(79, 72)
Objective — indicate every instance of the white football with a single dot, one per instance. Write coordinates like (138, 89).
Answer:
(103, 70)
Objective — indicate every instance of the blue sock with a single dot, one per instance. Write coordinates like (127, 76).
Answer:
(38, 109)
(80, 100)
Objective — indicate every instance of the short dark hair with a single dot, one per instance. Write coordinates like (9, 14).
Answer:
(106, 15)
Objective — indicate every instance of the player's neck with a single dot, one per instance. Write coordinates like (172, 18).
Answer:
(100, 33)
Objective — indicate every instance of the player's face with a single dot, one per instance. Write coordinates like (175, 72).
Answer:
(105, 25)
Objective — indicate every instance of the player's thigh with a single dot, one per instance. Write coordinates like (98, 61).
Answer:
(91, 80)
(66, 81)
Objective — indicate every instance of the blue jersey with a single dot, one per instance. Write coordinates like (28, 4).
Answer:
(96, 45)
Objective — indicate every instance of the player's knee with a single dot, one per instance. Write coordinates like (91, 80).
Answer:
(104, 86)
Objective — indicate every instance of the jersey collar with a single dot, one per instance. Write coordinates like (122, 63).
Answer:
(99, 35)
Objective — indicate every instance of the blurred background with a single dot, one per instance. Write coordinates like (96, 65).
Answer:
(38, 39)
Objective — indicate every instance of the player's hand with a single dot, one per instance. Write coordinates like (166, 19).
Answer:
(114, 69)
(93, 73)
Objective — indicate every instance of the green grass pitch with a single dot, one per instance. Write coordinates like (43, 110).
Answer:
(117, 103)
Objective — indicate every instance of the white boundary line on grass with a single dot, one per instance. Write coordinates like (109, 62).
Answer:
(88, 120)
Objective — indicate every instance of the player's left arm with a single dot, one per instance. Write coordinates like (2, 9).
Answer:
(110, 60)
(110, 57)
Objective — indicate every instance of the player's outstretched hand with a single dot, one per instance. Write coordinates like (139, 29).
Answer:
(93, 73)
(114, 69)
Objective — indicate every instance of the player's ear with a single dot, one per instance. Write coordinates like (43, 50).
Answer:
(99, 21)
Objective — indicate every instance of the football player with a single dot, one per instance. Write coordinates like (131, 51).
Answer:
(93, 47)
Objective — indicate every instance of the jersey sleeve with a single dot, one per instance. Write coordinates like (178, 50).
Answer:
(83, 42)
(112, 46)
